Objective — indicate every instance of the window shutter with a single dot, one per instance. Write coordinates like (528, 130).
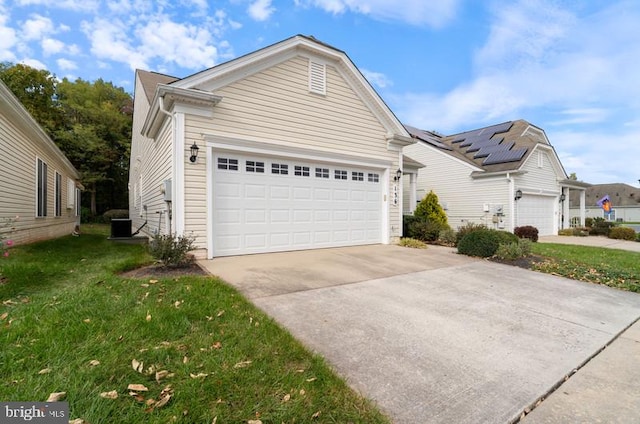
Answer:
(317, 78)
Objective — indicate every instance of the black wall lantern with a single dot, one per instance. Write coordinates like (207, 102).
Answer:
(518, 195)
(194, 152)
(398, 175)
(563, 197)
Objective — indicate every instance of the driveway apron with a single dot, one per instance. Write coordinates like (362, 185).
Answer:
(459, 341)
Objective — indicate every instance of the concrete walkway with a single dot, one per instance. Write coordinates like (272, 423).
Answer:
(436, 337)
(596, 241)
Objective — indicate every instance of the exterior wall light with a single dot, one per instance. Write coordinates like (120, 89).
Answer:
(563, 197)
(518, 195)
(194, 153)
(398, 175)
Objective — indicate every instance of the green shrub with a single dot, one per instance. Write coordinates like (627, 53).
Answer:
(115, 214)
(407, 220)
(467, 228)
(527, 231)
(411, 242)
(601, 227)
(567, 232)
(638, 237)
(447, 237)
(588, 222)
(622, 233)
(514, 250)
(172, 251)
(506, 237)
(483, 243)
(426, 231)
(429, 209)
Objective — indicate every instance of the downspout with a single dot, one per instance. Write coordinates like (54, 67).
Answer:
(161, 107)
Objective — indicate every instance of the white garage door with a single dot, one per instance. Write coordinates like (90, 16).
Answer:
(538, 211)
(264, 204)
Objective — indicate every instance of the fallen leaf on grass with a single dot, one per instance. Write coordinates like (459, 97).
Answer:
(137, 388)
(94, 363)
(309, 380)
(148, 316)
(163, 374)
(56, 396)
(254, 422)
(136, 365)
(242, 364)
(44, 371)
(199, 375)
(113, 394)
(216, 345)
(220, 314)
(316, 415)
(78, 421)
(4, 316)
(178, 303)
(86, 321)
(185, 359)
(286, 398)
(137, 396)
(153, 281)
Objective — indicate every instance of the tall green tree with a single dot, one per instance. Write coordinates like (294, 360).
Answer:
(36, 90)
(90, 122)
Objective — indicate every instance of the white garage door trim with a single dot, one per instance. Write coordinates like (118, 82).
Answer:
(356, 211)
(538, 211)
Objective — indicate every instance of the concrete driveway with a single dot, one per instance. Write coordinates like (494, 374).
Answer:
(432, 336)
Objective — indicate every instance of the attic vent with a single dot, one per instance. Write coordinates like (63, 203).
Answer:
(317, 78)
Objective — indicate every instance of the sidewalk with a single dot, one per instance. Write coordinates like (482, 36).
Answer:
(596, 241)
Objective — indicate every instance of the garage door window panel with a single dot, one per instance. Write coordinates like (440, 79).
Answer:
(228, 164)
(339, 174)
(373, 178)
(280, 168)
(357, 176)
(253, 166)
(301, 171)
(322, 172)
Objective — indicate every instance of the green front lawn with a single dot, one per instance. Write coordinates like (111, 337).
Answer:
(611, 267)
(70, 323)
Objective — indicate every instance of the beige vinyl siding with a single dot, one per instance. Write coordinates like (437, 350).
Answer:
(21, 145)
(150, 166)
(275, 106)
(451, 181)
(543, 179)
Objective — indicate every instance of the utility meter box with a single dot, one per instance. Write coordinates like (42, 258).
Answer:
(166, 189)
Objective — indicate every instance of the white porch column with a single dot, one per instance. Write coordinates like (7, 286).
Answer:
(413, 192)
(566, 219)
(583, 195)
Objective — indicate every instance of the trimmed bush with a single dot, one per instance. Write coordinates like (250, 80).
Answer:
(514, 250)
(172, 251)
(426, 231)
(622, 233)
(407, 220)
(483, 243)
(429, 209)
(467, 228)
(506, 237)
(527, 231)
(410, 242)
(601, 227)
(566, 232)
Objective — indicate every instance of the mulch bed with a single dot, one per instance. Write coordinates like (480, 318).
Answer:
(527, 262)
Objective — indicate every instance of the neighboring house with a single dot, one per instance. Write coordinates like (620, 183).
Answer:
(504, 176)
(286, 148)
(625, 202)
(37, 182)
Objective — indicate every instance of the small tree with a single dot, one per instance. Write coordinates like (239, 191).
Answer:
(429, 209)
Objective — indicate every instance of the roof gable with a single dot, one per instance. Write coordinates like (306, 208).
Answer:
(317, 52)
(150, 80)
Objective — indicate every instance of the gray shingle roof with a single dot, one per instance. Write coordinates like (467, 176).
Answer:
(150, 81)
(620, 195)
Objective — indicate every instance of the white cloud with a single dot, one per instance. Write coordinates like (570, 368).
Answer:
(376, 78)
(36, 28)
(189, 46)
(51, 46)
(75, 5)
(8, 39)
(261, 10)
(415, 12)
(34, 63)
(110, 41)
(66, 64)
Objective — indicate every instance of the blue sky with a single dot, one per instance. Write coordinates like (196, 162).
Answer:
(569, 67)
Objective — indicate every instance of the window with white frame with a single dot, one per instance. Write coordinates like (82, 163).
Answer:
(322, 172)
(373, 178)
(58, 194)
(253, 166)
(228, 164)
(357, 176)
(280, 168)
(301, 171)
(41, 189)
(340, 174)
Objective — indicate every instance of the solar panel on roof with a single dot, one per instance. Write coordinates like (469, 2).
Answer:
(500, 128)
(487, 150)
(473, 139)
(479, 144)
(504, 156)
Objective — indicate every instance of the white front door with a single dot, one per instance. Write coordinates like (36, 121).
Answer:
(269, 204)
